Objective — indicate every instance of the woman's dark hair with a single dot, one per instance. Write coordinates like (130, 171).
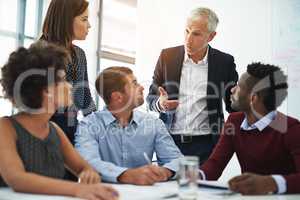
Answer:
(269, 82)
(29, 71)
(58, 24)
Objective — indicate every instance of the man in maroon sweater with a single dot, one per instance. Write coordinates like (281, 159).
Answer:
(266, 142)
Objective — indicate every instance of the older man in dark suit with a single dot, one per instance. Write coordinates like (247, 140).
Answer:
(189, 83)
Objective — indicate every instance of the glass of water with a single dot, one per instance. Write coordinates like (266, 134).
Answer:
(187, 178)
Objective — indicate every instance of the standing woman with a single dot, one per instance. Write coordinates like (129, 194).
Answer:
(66, 21)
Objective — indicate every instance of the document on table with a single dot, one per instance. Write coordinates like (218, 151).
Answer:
(214, 188)
(213, 184)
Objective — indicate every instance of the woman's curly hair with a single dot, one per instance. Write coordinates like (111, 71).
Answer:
(28, 72)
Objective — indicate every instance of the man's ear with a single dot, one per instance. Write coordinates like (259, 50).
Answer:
(211, 36)
(254, 99)
(116, 96)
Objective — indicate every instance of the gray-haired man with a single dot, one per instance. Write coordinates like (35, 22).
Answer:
(189, 83)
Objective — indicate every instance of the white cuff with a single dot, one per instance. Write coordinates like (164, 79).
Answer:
(201, 172)
(281, 183)
(158, 107)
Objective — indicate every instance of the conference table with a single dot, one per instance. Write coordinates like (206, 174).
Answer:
(159, 191)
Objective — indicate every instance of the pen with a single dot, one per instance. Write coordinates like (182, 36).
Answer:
(147, 158)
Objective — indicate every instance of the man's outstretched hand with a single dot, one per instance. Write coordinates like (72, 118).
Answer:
(164, 103)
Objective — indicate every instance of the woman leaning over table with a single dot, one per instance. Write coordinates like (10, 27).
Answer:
(33, 150)
(66, 21)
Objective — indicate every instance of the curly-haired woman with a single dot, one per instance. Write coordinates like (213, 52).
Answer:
(33, 150)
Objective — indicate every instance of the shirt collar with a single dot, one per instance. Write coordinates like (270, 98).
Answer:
(260, 124)
(109, 118)
(204, 61)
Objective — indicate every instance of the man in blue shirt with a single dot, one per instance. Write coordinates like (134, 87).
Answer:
(118, 140)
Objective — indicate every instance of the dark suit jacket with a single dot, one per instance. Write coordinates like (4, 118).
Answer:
(222, 76)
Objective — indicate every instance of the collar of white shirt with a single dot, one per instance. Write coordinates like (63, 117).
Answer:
(204, 61)
(260, 124)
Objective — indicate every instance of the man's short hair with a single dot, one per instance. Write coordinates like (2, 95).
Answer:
(212, 18)
(268, 82)
(110, 80)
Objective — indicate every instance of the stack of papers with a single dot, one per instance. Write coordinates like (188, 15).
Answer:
(213, 185)
(214, 188)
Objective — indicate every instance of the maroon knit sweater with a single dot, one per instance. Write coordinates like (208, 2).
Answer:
(275, 150)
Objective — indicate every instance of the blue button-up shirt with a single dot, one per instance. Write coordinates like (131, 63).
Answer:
(112, 149)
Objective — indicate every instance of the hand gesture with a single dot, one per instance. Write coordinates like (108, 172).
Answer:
(164, 103)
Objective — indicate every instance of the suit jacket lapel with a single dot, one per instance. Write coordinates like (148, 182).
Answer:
(212, 70)
(179, 63)
(173, 72)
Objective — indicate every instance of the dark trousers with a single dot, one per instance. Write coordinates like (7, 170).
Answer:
(200, 146)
